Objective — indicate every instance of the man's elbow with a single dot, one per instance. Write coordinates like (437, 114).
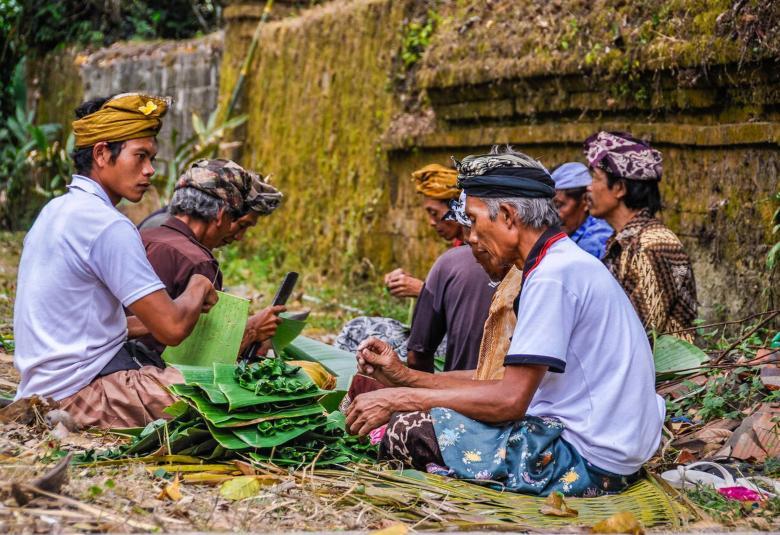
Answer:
(510, 407)
(173, 335)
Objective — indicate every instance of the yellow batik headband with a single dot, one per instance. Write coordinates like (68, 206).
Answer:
(125, 116)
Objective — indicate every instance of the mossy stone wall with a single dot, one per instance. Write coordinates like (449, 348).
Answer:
(319, 98)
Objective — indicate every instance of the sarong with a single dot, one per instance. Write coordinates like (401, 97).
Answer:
(388, 330)
(130, 398)
(528, 456)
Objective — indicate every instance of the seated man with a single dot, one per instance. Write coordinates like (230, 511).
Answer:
(571, 184)
(83, 261)
(209, 200)
(645, 257)
(576, 410)
(454, 300)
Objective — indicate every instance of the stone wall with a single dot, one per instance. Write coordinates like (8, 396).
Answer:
(188, 71)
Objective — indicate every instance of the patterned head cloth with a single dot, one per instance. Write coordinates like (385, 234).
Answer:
(437, 182)
(504, 175)
(126, 116)
(624, 156)
(262, 198)
(223, 179)
(457, 211)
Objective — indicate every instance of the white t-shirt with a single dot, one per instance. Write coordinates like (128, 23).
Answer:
(82, 260)
(574, 317)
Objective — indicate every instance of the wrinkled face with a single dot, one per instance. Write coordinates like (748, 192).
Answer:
(436, 209)
(603, 200)
(494, 243)
(130, 175)
(239, 227)
(218, 229)
(495, 271)
(573, 212)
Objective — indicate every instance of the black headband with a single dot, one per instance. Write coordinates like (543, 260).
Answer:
(530, 182)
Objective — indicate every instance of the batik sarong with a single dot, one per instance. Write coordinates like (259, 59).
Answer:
(388, 330)
(528, 456)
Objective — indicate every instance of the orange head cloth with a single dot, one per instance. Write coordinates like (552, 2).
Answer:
(437, 182)
(126, 116)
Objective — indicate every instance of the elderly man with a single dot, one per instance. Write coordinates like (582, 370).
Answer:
(645, 257)
(209, 202)
(571, 183)
(454, 301)
(83, 263)
(576, 410)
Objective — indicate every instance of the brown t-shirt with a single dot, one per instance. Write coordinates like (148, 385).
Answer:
(176, 256)
(454, 300)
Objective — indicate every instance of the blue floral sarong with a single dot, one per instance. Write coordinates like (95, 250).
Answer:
(527, 456)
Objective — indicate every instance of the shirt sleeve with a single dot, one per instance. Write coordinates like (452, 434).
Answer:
(117, 258)
(545, 319)
(429, 323)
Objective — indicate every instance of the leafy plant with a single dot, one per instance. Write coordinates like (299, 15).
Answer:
(34, 166)
(416, 38)
(204, 143)
(773, 256)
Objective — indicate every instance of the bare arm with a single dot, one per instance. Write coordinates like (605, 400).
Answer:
(486, 401)
(171, 321)
(135, 328)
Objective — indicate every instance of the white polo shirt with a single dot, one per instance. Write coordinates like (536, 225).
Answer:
(82, 260)
(574, 317)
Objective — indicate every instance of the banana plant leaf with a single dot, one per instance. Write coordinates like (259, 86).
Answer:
(256, 439)
(298, 456)
(340, 363)
(286, 332)
(216, 337)
(239, 397)
(202, 375)
(227, 439)
(221, 417)
(674, 356)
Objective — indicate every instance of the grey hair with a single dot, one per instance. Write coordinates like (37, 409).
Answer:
(534, 213)
(195, 203)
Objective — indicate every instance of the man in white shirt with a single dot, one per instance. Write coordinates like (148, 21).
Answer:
(83, 263)
(576, 410)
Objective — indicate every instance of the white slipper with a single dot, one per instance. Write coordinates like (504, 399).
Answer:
(685, 476)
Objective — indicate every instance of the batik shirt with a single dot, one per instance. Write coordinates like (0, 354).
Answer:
(651, 265)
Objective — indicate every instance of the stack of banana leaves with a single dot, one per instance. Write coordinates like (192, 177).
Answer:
(268, 411)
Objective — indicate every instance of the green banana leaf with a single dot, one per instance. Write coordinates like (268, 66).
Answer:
(674, 356)
(341, 364)
(286, 332)
(217, 335)
(239, 397)
(227, 439)
(221, 417)
(197, 374)
(255, 439)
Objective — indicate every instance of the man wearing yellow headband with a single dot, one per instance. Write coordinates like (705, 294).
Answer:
(453, 301)
(83, 264)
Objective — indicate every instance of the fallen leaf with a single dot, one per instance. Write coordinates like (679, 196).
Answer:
(171, 491)
(554, 505)
(624, 522)
(710, 435)
(398, 528)
(54, 479)
(685, 457)
(242, 487)
(26, 410)
(245, 468)
(770, 376)
(206, 479)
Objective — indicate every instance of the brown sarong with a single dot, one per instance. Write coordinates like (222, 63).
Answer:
(131, 398)
(411, 439)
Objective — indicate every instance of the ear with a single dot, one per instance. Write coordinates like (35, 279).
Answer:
(506, 215)
(100, 154)
(222, 216)
(619, 189)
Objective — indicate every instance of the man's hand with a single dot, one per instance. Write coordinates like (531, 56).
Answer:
(262, 326)
(210, 296)
(401, 284)
(369, 411)
(377, 359)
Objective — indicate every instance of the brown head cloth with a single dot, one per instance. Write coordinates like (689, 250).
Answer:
(123, 117)
(437, 182)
